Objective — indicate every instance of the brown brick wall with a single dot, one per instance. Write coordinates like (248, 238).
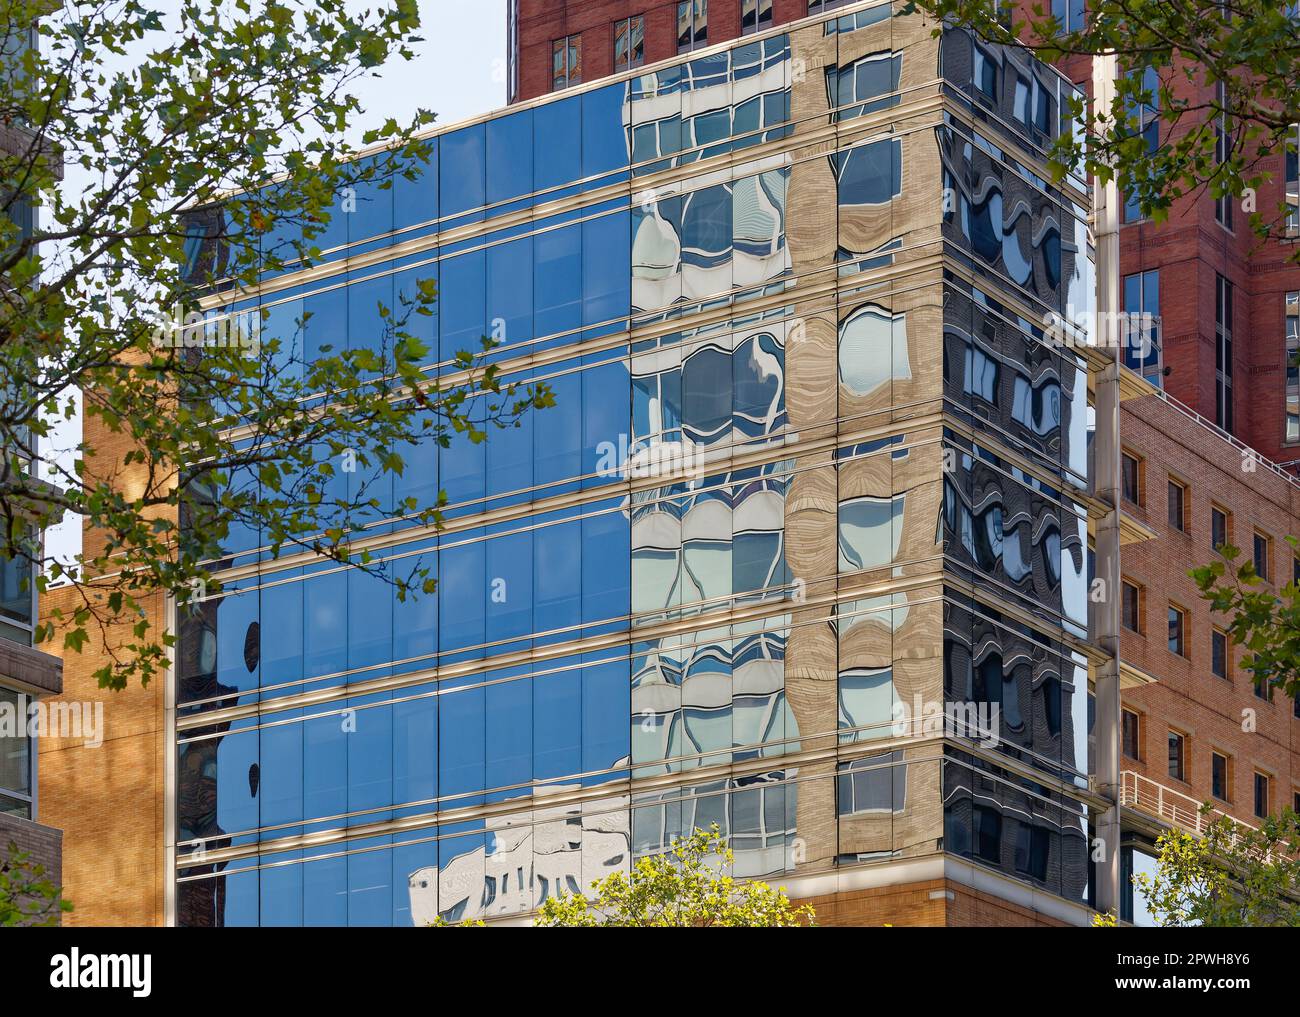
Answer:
(936, 902)
(1211, 712)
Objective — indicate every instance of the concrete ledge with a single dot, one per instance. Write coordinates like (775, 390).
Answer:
(30, 670)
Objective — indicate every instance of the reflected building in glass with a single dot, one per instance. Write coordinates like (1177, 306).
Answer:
(801, 550)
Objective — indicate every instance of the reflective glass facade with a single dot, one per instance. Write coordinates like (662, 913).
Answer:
(813, 467)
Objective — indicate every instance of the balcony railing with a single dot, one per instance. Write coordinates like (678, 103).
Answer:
(1173, 807)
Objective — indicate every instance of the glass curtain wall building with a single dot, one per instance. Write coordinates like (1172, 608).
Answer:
(816, 467)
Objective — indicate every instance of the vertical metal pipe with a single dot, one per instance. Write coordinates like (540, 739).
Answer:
(1107, 488)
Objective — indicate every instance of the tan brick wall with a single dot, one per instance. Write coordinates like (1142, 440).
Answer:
(108, 800)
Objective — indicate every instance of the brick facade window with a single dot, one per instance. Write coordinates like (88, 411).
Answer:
(1291, 314)
(1222, 147)
(692, 25)
(755, 16)
(629, 43)
(1220, 776)
(1293, 182)
(1178, 505)
(1261, 794)
(1147, 115)
(1223, 357)
(1068, 14)
(1177, 631)
(1130, 734)
(1263, 555)
(1142, 308)
(1131, 473)
(1131, 606)
(1220, 527)
(1220, 658)
(16, 762)
(566, 62)
(1177, 755)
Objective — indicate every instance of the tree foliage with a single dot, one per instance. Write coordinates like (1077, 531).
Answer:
(1200, 64)
(1234, 875)
(27, 896)
(686, 887)
(1264, 621)
(210, 140)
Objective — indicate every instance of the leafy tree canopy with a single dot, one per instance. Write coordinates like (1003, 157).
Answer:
(1264, 621)
(27, 895)
(1234, 875)
(211, 143)
(686, 887)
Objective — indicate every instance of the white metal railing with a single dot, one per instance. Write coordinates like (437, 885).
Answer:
(1280, 469)
(1173, 807)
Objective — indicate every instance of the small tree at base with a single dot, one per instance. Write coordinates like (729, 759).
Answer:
(1232, 876)
(681, 888)
(27, 896)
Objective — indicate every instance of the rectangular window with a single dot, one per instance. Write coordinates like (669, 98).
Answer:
(512, 50)
(1219, 659)
(692, 25)
(821, 6)
(1220, 781)
(1146, 115)
(1223, 301)
(1263, 689)
(1295, 802)
(1261, 795)
(1222, 147)
(1068, 15)
(1291, 314)
(566, 62)
(1177, 631)
(1177, 505)
(1130, 730)
(755, 16)
(629, 43)
(1263, 555)
(1142, 325)
(1220, 527)
(1292, 228)
(1131, 606)
(1177, 747)
(15, 761)
(17, 599)
(1130, 473)
(988, 834)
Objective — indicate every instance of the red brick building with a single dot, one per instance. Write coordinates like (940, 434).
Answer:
(1195, 722)
(666, 28)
